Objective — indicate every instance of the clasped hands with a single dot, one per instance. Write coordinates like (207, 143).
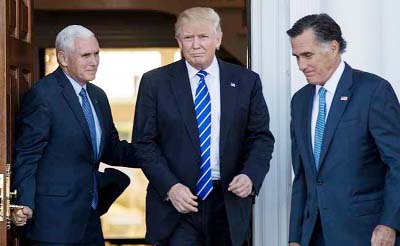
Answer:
(185, 202)
(20, 216)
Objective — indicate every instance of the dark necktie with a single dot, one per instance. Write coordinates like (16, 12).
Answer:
(87, 111)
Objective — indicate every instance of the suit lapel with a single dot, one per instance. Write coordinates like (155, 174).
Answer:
(73, 101)
(229, 94)
(337, 109)
(180, 87)
(94, 97)
(306, 125)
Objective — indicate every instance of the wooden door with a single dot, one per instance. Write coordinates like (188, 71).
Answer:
(16, 67)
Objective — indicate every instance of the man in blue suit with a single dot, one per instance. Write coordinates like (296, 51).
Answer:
(202, 132)
(65, 128)
(345, 133)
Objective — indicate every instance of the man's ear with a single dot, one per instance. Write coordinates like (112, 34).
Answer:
(219, 40)
(62, 59)
(179, 42)
(334, 46)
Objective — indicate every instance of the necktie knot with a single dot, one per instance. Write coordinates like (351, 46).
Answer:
(322, 92)
(82, 93)
(202, 74)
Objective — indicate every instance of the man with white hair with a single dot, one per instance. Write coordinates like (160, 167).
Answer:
(202, 133)
(65, 128)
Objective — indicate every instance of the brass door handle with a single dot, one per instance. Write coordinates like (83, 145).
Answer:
(9, 195)
(12, 206)
(13, 195)
(2, 200)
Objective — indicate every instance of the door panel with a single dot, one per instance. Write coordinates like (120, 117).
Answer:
(16, 64)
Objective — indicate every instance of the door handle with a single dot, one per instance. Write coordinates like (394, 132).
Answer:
(10, 195)
(2, 200)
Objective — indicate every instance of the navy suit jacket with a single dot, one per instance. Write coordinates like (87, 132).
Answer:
(54, 163)
(357, 185)
(166, 136)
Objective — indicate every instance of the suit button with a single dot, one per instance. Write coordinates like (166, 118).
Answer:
(319, 182)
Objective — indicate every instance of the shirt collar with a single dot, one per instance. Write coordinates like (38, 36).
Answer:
(77, 87)
(212, 70)
(333, 81)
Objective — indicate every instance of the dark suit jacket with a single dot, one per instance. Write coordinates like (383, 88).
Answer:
(54, 163)
(357, 184)
(166, 135)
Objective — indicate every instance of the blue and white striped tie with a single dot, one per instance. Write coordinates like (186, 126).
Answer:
(320, 126)
(202, 104)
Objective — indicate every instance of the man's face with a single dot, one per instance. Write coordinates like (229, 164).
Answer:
(198, 42)
(82, 60)
(318, 61)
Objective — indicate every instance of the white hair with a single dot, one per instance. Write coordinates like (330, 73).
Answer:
(65, 39)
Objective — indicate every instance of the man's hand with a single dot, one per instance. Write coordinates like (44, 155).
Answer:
(383, 236)
(294, 244)
(20, 216)
(241, 185)
(182, 198)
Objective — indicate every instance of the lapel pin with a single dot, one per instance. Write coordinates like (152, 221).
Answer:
(344, 98)
(233, 84)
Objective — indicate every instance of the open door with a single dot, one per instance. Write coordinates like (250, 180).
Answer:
(16, 67)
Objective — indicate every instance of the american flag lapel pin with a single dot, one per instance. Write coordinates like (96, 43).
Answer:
(233, 85)
(344, 98)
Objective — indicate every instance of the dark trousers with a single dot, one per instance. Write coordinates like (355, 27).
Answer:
(208, 227)
(93, 235)
(317, 238)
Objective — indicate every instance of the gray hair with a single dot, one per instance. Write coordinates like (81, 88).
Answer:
(65, 39)
(198, 14)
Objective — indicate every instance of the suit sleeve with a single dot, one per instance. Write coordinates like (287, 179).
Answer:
(384, 122)
(299, 189)
(117, 152)
(33, 129)
(145, 137)
(259, 139)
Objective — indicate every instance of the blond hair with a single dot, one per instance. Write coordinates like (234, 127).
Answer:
(198, 14)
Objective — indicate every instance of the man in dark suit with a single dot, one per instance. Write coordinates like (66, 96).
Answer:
(65, 128)
(345, 133)
(202, 132)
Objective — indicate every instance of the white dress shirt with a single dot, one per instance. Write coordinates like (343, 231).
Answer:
(77, 88)
(213, 84)
(330, 86)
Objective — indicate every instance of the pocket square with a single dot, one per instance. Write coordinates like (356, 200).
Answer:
(344, 98)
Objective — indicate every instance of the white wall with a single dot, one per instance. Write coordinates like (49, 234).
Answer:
(391, 43)
(270, 58)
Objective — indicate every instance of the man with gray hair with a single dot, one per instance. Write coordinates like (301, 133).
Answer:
(64, 130)
(345, 131)
(202, 134)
